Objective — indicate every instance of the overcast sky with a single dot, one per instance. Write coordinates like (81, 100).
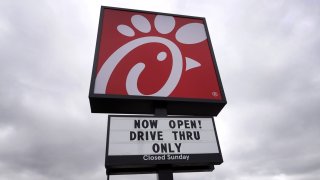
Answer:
(268, 57)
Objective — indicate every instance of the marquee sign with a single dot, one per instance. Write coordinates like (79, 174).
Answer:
(186, 143)
(148, 59)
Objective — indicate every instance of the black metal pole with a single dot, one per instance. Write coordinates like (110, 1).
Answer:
(165, 174)
(164, 171)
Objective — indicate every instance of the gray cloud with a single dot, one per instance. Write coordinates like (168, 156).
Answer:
(267, 54)
(46, 54)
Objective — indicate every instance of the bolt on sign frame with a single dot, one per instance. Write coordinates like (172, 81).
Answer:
(145, 60)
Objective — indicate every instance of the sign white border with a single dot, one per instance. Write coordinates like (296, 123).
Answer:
(161, 135)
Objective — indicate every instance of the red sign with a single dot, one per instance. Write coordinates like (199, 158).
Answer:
(154, 55)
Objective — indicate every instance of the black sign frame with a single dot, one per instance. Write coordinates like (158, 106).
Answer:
(128, 104)
(134, 164)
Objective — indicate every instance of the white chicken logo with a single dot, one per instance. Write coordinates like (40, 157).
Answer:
(191, 33)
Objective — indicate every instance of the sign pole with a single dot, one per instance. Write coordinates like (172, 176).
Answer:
(164, 172)
(161, 112)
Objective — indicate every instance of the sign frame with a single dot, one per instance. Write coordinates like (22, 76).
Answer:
(134, 164)
(131, 104)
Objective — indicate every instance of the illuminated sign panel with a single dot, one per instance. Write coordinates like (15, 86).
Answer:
(145, 59)
(183, 142)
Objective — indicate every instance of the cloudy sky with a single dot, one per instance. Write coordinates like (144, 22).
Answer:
(268, 56)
